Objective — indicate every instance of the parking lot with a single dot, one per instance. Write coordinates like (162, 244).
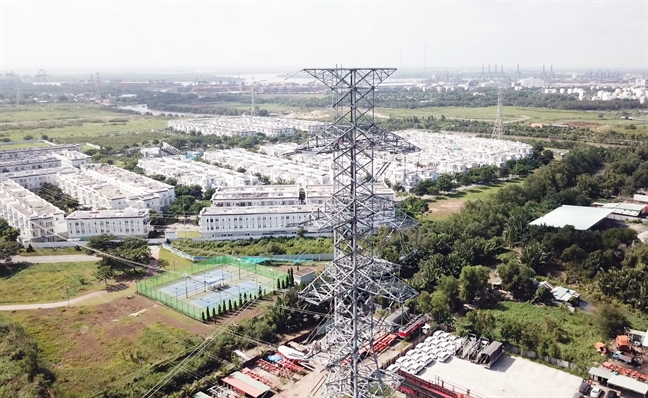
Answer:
(510, 377)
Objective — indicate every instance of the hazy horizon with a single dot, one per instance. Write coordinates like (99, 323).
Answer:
(282, 37)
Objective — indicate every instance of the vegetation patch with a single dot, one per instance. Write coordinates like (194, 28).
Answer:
(37, 283)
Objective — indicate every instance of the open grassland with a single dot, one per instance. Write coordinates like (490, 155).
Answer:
(443, 206)
(93, 348)
(175, 262)
(575, 333)
(7, 146)
(527, 115)
(37, 283)
(75, 123)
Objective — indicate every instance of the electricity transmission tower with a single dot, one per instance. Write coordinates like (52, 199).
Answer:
(498, 129)
(355, 277)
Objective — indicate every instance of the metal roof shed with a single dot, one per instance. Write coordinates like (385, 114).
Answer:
(600, 374)
(244, 388)
(629, 384)
(581, 218)
(257, 385)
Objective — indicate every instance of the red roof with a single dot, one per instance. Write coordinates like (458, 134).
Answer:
(243, 387)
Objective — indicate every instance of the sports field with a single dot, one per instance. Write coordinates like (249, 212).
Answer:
(201, 288)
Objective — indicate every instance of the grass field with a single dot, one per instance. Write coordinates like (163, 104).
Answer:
(35, 283)
(577, 329)
(527, 115)
(443, 206)
(188, 234)
(56, 251)
(6, 146)
(175, 262)
(92, 348)
(77, 123)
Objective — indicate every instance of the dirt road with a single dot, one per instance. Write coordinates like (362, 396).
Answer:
(77, 300)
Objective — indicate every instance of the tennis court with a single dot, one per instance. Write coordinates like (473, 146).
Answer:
(197, 283)
(203, 286)
(248, 288)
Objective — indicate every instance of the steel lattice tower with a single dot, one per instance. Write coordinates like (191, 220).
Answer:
(355, 277)
(498, 129)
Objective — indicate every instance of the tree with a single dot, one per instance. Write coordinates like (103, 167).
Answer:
(534, 255)
(103, 273)
(610, 320)
(472, 281)
(189, 190)
(449, 286)
(444, 183)
(543, 295)
(480, 322)
(516, 279)
(162, 263)
(8, 245)
(441, 307)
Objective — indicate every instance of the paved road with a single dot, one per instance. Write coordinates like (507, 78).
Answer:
(18, 307)
(64, 258)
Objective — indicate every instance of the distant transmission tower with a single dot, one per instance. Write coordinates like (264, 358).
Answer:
(355, 277)
(17, 80)
(253, 113)
(518, 74)
(498, 129)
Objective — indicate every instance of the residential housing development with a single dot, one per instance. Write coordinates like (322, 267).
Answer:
(439, 154)
(123, 223)
(114, 194)
(277, 169)
(190, 172)
(37, 219)
(244, 126)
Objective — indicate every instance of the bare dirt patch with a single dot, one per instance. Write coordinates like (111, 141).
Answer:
(445, 207)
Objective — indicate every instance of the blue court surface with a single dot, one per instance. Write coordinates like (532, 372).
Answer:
(196, 283)
(231, 293)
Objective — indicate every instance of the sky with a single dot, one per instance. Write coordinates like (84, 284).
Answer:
(192, 36)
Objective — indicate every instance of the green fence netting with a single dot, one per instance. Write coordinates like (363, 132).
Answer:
(149, 287)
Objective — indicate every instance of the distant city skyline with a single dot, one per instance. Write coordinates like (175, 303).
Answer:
(163, 37)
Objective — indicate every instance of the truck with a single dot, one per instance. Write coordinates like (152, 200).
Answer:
(622, 357)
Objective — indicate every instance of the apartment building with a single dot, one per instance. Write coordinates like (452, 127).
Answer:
(190, 172)
(101, 195)
(121, 223)
(277, 169)
(133, 183)
(72, 158)
(257, 195)
(244, 126)
(37, 151)
(225, 223)
(37, 219)
(34, 179)
(29, 163)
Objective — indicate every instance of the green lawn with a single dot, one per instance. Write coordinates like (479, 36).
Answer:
(444, 205)
(93, 348)
(577, 328)
(528, 115)
(188, 234)
(35, 283)
(175, 262)
(7, 146)
(56, 251)
(75, 123)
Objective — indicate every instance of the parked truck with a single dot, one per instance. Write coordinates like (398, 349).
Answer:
(623, 357)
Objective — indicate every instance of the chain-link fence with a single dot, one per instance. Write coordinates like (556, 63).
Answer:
(153, 287)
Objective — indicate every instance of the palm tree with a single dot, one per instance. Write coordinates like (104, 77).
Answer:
(534, 255)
